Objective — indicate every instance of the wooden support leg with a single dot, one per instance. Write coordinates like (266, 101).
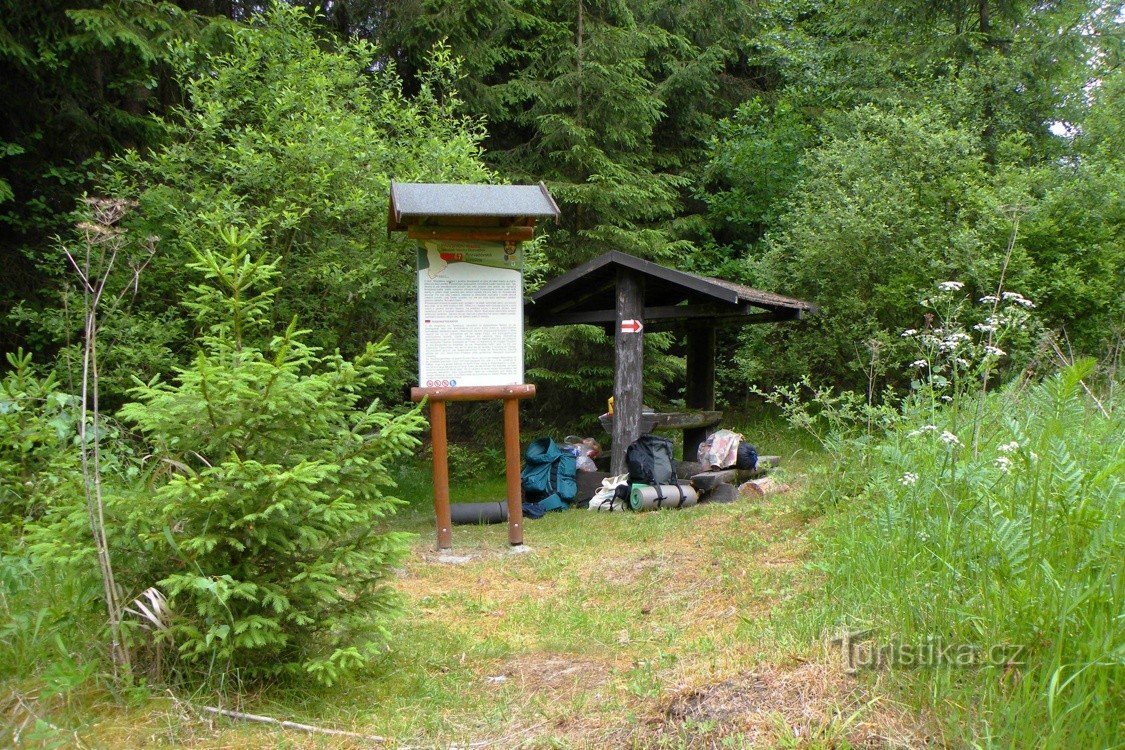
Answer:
(441, 475)
(512, 470)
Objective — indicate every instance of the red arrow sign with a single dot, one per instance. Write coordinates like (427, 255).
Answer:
(631, 326)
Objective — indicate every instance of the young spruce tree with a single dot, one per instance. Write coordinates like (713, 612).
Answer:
(266, 533)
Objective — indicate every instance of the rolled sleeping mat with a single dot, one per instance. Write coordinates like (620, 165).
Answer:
(649, 497)
(466, 514)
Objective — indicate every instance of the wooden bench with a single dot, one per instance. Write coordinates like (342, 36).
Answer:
(696, 425)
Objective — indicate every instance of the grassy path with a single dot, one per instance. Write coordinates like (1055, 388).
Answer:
(677, 629)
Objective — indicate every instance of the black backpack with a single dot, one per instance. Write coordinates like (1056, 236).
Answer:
(650, 460)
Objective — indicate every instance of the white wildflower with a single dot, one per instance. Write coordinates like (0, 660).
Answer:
(1011, 447)
(908, 479)
(989, 299)
(922, 430)
(1004, 464)
(909, 332)
(951, 286)
(1018, 299)
(984, 327)
(954, 340)
(947, 399)
(919, 363)
(994, 351)
(962, 361)
(950, 438)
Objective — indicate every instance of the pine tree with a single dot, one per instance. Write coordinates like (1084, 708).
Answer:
(265, 530)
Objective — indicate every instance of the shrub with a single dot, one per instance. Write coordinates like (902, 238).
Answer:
(37, 425)
(264, 528)
(300, 139)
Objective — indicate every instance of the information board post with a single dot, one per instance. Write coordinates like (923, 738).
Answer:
(511, 395)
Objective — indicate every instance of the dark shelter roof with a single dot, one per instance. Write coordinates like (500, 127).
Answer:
(431, 203)
(588, 295)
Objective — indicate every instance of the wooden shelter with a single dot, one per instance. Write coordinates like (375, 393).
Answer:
(629, 295)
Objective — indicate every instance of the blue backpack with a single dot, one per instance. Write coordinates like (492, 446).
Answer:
(548, 478)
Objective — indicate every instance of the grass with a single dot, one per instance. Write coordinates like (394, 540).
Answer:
(706, 628)
(671, 629)
(1006, 532)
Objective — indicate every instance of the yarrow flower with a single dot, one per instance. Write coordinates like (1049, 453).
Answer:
(994, 351)
(908, 479)
(1019, 299)
(951, 286)
(922, 430)
(1004, 464)
(1011, 447)
(954, 340)
(984, 327)
(962, 361)
(950, 438)
(919, 363)
(909, 332)
(988, 299)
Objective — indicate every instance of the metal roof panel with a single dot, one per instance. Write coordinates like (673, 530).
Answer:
(421, 199)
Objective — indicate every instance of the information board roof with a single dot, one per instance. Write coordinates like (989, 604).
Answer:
(433, 203)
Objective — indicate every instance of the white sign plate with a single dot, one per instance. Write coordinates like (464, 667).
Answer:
(470, 314)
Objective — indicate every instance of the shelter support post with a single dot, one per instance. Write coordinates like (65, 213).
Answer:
(512, 470)
(628, 373)
(700, 391)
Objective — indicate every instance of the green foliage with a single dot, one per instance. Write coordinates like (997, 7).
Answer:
(984, 517)
(995, 520)
(272, 480)
(890, 204)
(48, 624)
(37, 430)
(299, 140)
(755, 164)
(82, 80)
(609, 102)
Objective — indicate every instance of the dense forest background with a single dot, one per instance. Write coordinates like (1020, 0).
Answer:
(851, 153)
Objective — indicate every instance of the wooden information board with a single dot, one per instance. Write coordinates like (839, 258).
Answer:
(470, 314)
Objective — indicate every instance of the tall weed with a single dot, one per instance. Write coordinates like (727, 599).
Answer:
(990, 518)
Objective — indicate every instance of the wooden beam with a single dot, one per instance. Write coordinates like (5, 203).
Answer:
(482, 234)
(473, 392)
(724, 321)
(593, 290)
(664, 318)
(628, 386)
(660, 312)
